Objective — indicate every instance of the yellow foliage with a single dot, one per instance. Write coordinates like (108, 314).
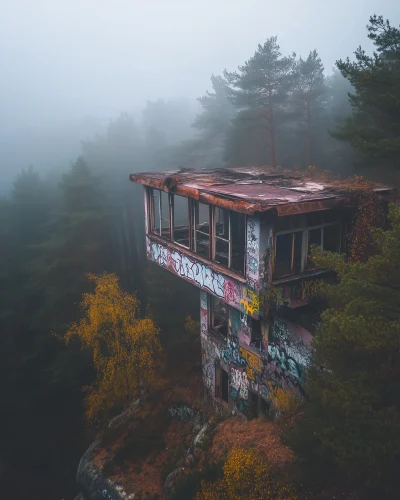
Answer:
(283, 400)
(246, 475)
(126, 348)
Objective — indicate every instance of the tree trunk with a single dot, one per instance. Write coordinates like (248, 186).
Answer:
(308, 134)
(272, 135)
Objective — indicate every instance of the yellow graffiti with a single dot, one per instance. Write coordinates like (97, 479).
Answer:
(250, 302)
(253, 363)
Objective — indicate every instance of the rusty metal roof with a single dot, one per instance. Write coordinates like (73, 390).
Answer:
(252, 190)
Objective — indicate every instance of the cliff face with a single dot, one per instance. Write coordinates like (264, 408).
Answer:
(94, 484)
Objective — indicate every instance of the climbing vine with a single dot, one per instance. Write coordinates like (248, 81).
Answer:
(368, 214)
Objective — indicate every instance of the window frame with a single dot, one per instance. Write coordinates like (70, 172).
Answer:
(211, 316)
(194, 230)
(304, 246)
(193, 217)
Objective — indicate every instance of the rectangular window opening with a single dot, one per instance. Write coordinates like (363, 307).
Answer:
(219, 316)
(181, 220)
(256, 335)
(224, 385)
(201, 229)
(229, 239)
(288, 254)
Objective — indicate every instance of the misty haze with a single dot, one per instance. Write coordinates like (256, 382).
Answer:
(293, 101)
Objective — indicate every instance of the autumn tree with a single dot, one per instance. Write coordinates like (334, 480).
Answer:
(125, 347)
(374, 125)
(246, 475)
(351, 433)
(260, 90)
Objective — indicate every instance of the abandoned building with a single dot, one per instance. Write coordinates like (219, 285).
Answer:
(236, 234)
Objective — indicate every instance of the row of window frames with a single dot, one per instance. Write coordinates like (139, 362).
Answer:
(193, 230)
(292, 248)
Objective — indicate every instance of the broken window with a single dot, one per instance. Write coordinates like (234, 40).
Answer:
(288, 254)
(181, 209)
(159, 213)
(229, 239)
(219, 316)
(201, 229)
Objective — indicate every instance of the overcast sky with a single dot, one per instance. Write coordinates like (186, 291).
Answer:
(63, 59)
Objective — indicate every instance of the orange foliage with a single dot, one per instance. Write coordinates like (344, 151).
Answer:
(368, 215)
(246, 475)
(126, 348)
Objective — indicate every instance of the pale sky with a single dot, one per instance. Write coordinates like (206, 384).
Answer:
(64, 59)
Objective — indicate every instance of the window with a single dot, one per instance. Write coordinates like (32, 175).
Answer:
(181, 209)
(253, 406)
(224, 385)
(326, 237)
(212, 232)
(288, 254)
(229, 239)
(295, 235)
(201, 229)
(256, 336)
(219, 316)
(159, 213)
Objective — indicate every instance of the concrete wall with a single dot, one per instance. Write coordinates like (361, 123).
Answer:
(249, 370)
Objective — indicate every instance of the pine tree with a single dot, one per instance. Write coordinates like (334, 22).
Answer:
(73, 247)
(351, 433)
(374, 126)
(309, 97)
(261, 88)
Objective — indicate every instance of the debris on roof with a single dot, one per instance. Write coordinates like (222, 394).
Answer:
(255, 189)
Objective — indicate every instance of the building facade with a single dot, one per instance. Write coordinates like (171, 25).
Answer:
(237, 235)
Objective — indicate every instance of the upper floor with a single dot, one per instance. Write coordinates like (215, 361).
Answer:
(232, 232)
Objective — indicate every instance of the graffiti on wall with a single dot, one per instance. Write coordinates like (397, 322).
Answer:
(203, 313)
(250, 303)
(251, 370)
(234, 293)
(254, 363)
(252, 252)
(288, 354)
(240, 383)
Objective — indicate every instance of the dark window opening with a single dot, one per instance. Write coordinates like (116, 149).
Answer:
(264, 407)
(288, 254)
(326, 237)
(256, 336)
(253, 405)
(219, 316)
(224, 385)
(181, 220)
(201, 229)
(238, 223)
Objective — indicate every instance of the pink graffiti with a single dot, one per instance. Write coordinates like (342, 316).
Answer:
(229, 291)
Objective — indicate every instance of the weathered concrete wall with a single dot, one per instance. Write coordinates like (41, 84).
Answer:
(249, 369)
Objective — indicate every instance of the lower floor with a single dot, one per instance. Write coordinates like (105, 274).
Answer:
(244, 359)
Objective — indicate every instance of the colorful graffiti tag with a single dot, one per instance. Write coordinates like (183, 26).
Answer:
(233, 292)
(250, 370)
(252, 252)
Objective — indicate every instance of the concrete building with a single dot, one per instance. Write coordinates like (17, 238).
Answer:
(238, 234)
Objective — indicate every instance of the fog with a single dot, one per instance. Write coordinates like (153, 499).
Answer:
(68, 67)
